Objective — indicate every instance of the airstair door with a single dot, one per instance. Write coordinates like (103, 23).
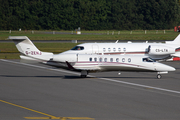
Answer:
(95, 49)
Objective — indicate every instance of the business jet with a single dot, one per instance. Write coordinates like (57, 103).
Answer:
(86, 63)
(168, 51)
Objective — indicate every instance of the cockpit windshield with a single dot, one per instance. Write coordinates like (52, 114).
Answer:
(78, 48)
(148, 60)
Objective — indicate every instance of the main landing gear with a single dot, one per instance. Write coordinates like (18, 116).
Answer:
(84, 73)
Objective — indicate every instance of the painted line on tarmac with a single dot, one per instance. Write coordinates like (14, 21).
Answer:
(62, 118)
(139, 85)
(48, 68)
(49, 116)
(27, 108)
(107, 79)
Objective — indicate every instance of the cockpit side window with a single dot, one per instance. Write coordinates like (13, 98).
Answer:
(148, 60)
(78, 48)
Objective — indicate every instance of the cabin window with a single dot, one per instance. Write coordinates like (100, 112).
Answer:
(90, 59)
(100, 59)
(109, 49)
(114, 49)
(104, 49)
(78, 48)
(105, 59)
(95, 59)
(119, 49)
(129, 59)
(111, 59)
(123, 59)
(124, 49)
(117, 59)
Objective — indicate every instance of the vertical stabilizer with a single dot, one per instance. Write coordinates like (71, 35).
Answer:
(27, 48)
(23, 44)
(175, 41)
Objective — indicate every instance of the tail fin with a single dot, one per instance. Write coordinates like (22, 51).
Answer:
(175, 41)
(27, 48)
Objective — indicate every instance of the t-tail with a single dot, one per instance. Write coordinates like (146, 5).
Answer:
(28, 50)
(176, 43)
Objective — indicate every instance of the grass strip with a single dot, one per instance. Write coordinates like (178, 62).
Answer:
(94, 35)
(9, 50)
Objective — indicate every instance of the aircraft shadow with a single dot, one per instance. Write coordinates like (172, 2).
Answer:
(31, 76)
(75, 77)
(130, 77)
(63, 77)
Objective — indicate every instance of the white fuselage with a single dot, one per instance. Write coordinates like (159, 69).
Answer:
(154, 50)
(112, 62)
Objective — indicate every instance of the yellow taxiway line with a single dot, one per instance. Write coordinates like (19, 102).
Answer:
(62, 118)
(49, 116)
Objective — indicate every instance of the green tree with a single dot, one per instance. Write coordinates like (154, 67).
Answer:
(89, 14)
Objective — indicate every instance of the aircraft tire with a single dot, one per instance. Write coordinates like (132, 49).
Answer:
(159, 76)
(83, 76)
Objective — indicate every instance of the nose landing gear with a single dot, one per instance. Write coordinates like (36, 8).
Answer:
(159, 76)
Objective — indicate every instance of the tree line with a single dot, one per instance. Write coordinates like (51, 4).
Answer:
(89, 14)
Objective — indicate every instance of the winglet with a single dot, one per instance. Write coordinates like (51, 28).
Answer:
(69, 65)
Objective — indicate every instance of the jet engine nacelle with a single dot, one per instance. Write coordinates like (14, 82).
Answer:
(160, 50)
(65, 57)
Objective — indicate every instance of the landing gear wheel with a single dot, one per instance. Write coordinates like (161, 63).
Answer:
(83, 76)
(84, 73)
(159, 76)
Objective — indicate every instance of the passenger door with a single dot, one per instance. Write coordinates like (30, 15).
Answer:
(95, 49)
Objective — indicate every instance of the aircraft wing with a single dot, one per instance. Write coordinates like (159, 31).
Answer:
(176, 55)
(88, 69)
(81, 68)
